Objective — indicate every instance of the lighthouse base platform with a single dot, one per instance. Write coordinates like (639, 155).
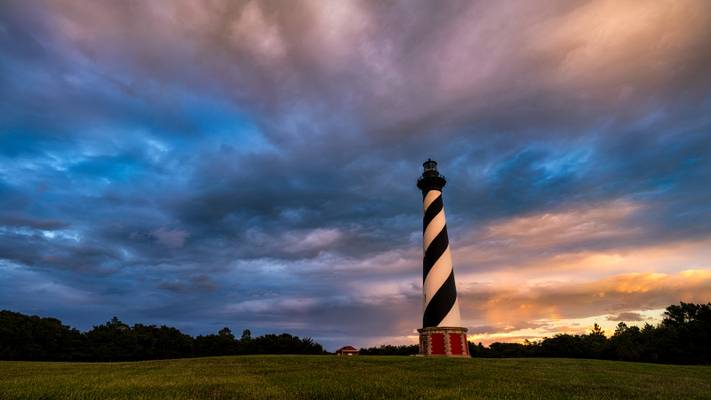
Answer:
(444, 341)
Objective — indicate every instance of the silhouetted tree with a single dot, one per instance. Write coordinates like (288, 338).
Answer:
(594, 342)
(222, 344)
(152, 342)
(226, 333)
(683, 336)
(112, 341)
(390, 350)
(280, 344)
(478, 350)
(24, 337)
(625, 344)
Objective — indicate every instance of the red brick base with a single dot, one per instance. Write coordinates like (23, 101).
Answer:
(444, 341)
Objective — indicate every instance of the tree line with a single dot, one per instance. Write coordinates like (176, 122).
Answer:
(24, 337)
(683, 337)
(390, 350)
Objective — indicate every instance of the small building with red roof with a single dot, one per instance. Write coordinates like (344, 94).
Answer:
(347, 351)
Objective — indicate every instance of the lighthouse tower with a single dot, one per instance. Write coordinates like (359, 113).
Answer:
(441, 333)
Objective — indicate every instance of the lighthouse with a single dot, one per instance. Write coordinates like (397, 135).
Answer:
(441, 333)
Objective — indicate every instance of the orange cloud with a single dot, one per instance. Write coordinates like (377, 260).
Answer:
(540, 274)
(579, 243)
(529, 308)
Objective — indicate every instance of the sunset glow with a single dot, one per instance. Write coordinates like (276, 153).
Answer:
(252, 164)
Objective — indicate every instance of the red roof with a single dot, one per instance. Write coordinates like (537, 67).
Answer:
(347, 349)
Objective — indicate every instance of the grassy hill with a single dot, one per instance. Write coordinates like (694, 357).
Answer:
(329, 377)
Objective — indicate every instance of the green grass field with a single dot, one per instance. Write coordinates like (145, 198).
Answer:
(329, 377)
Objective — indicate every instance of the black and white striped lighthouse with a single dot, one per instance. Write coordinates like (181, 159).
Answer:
(441, 332)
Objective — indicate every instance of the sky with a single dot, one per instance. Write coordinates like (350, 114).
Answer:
(252, 164)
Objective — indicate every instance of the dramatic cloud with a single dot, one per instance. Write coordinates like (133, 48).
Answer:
(252, 164)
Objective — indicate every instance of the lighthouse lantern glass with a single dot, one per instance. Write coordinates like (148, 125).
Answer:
(430, 165)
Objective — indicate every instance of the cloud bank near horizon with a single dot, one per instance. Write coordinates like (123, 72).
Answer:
(252, 164)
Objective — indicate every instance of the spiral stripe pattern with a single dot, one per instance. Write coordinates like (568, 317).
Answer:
(440, 293)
